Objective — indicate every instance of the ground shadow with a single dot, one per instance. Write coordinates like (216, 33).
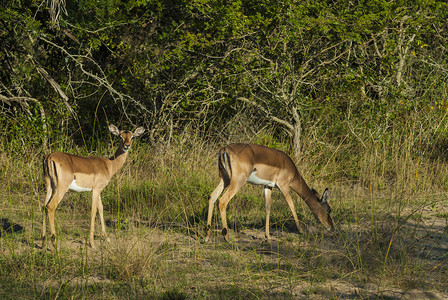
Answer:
(8, 227)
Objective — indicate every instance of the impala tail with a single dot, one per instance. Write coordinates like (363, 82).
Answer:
(225, 168)
(50, 173)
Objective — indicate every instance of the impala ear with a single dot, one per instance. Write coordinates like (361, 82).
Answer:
(139, 131)
(325, 196)
(114, 129)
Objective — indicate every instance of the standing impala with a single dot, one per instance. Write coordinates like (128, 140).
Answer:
(63, 172)
(259, 165)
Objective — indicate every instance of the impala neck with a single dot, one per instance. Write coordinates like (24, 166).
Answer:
(118, 159)
(301, 188)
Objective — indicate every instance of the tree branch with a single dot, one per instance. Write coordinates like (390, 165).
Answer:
(22, 100)
(288, 125)
(102, 79)
(55, 86)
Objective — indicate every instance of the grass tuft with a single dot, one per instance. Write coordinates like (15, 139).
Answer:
(388, 197)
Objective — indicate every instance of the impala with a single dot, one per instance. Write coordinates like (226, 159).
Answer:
(259, 165)
(63, 172)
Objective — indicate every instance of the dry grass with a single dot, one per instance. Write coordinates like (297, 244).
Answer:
(389, 204)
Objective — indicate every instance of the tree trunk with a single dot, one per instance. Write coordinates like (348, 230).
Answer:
(297, 133)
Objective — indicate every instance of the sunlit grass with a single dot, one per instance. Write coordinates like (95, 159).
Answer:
(389, 209)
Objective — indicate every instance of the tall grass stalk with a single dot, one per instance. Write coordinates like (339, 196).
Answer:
(388, 198)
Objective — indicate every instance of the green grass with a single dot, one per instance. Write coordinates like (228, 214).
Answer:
(391, 236)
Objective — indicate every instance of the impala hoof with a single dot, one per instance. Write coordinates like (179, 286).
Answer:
(53, 241)
(225, 233)
(91, 244)
(207, 237)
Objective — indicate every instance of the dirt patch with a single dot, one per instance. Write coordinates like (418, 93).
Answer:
(408, 261)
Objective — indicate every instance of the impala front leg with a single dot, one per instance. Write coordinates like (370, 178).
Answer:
(95, 198)
(285, 192)
(103, 226)
(267, 196)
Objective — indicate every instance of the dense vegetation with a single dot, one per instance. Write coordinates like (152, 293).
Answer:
(349, 68)
(355, 91)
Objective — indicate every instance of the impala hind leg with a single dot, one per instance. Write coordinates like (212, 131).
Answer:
(51, 206)
(234, 187)
(211, 205)
(51, 209)
(44, 211)
(44, 227)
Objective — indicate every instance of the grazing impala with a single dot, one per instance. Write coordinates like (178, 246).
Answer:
(259, 165)
(63, 172)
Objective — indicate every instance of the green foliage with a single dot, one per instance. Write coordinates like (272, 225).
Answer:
(367, 80)
(169, 65)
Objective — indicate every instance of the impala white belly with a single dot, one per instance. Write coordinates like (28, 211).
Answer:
(74, 187)
(258, 181)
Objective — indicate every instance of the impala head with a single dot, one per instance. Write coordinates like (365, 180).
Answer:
(126, 136)
(324, 215)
